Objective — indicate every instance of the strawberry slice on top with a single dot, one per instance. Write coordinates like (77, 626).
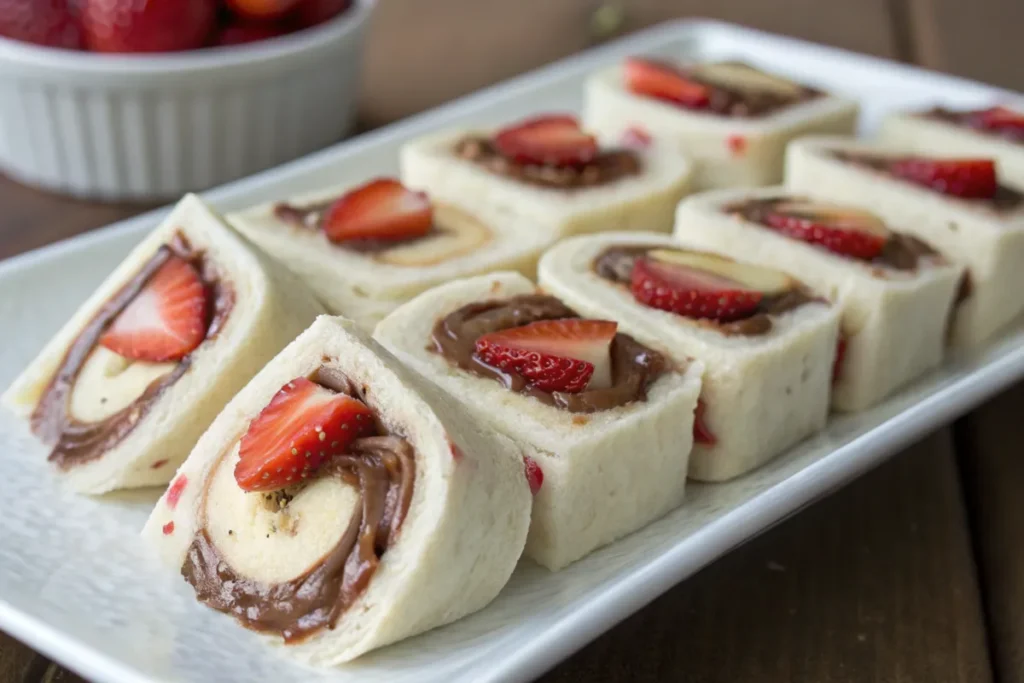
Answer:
(382, 209)
(842, 230)
(166, 320)
(566, 355)
(554, 140)
(966, 178)
(665, 82)
(699, 285)
(303, 425)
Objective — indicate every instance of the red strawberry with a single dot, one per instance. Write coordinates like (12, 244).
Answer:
(261, 9)
(968, 178)
(302, 426)
(534, 474)
(665, 82)
(692, 292)
(551, 140)
(701, 433)
(240, 32)
(383, 209)
(999, 119)
(313, 12)
(166, 320)
(43, 22)
(567, 355)
(847, 231)
(147, 25)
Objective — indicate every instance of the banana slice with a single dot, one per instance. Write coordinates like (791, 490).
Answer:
(109, 382)
(267, 540)
(459, 234)
(746, 77)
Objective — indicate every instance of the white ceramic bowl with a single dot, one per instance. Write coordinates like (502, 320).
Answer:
(156, 126)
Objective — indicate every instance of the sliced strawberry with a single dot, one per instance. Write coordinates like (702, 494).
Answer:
(849, 232)
(968, 178)
(382, 209)
(302, 426)
(665, 82)
(692, 292)
(567, 355)
(701, 433)
(550, 140)
(534, 474)
(166, 320)
(999, 119)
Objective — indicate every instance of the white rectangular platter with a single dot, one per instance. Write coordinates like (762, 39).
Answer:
(77, 583)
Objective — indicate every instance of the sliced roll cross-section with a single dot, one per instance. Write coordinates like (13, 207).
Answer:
(341, 503)
(128, 385)
(896, 292)
(965, 207)
(766, 341)
(554, 173)
(603, 421)
(366, 249)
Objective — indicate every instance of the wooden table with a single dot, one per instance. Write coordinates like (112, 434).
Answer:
(914, 573)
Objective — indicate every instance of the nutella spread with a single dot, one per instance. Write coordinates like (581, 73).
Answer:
(1006, 199)
(901, 251)
(616, 264)
(634, 366)
(76, 442)
(311, 218)
(606, 167)
(975, 119)
(748, 102)
(382, 469)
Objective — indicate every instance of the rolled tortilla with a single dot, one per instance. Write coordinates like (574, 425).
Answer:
(452, 549)
(761, 393)
(989, 242)
(606, 473)
(366, 285)
(115, 423)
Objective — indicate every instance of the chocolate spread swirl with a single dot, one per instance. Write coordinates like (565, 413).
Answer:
(901, 251)
(616, 264)
(311, 217)
(1005, 200)
(382, 469)
(76, 442)
(975, 120)
(607, 167)
(634, 366)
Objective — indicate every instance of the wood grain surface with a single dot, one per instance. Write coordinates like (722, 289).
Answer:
(991, 445)
(877, 583)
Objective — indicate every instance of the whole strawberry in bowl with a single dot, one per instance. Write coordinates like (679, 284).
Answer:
(149, 99)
